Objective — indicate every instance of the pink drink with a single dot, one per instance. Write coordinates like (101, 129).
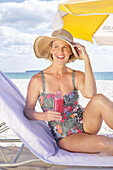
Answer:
(58, 102)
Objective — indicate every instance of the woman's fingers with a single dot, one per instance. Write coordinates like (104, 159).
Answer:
(78, 45)
(78, 48)
(53, 115)
(81, 51)
(56, 115)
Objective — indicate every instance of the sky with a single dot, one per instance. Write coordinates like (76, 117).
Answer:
(22, 21)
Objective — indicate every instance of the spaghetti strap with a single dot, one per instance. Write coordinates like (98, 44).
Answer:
(73, 79)
(43, 81)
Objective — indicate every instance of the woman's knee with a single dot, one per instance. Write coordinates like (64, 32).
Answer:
(99, 98)
(105, 143)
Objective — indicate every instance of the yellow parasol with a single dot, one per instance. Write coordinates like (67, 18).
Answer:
(86, 19)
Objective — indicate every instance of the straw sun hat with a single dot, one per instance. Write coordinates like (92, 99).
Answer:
(42, 43)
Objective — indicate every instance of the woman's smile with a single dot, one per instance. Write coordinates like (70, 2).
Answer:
(60, 57)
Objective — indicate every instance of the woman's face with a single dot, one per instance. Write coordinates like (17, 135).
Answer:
(60, 51)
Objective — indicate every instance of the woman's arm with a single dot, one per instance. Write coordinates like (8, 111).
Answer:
(86, 83)
(33, 91)
(31, 99)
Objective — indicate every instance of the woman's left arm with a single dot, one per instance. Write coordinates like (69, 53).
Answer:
(86, 83)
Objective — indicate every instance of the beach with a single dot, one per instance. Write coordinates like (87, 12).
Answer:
(103, 86)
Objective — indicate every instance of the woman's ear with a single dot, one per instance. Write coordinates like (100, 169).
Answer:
(71, 52)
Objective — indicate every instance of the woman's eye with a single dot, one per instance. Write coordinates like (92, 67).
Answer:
(65, 46)
(55, 46)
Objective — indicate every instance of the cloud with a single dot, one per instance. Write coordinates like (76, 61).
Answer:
(20, 24)
(28, 15)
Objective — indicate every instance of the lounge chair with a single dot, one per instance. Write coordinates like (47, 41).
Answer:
(36, 135)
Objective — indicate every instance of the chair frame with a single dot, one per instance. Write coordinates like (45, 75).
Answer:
(14, 163)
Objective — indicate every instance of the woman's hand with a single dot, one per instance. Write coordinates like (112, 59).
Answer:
(51, 115)
(81, 51)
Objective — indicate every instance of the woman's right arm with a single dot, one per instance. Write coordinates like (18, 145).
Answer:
(34, 88)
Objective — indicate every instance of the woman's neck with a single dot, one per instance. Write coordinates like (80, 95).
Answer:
(57, 69)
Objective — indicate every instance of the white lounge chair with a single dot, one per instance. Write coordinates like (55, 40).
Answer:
(36, 135)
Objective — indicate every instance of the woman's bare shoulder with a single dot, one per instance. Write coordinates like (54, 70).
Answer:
(79, 74)
(36, 80)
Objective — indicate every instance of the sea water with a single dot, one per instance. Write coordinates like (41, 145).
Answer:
(21, 75)
(29, 74)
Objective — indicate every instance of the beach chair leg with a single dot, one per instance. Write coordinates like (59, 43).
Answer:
(3, 155)
(15, 163)
(18, 154)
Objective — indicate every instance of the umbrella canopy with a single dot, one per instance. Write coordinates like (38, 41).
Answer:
(86, 19)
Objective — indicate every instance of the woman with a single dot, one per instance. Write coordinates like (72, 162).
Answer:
(75, 130)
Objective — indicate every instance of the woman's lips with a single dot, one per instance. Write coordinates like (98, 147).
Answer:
(60, 57)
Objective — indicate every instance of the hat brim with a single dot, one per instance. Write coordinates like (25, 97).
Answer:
(41, 48)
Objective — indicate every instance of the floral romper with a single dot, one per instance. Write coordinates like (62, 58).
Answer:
(72, 115)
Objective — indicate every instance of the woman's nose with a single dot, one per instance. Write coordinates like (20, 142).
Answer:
(61, 49)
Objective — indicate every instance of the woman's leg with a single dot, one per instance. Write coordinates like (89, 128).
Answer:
(82, 142)
(99, 108)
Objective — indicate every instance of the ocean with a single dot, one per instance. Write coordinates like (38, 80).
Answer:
(29, 74)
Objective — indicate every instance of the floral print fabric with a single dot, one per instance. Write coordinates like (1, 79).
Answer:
(71, 117)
